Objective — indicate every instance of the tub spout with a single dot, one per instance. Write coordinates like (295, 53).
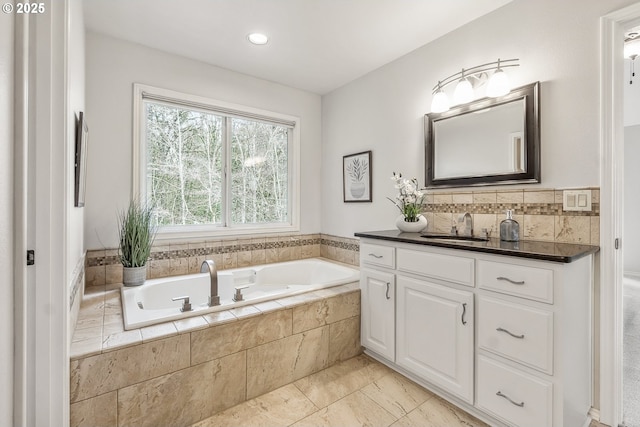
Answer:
(210, 266)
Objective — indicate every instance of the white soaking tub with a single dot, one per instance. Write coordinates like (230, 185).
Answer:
(152, 302)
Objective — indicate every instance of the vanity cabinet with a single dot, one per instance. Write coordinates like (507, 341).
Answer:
(504, 337)
(377, 290)
(435, 334)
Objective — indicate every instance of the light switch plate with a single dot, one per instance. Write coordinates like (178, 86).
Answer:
(576, 200)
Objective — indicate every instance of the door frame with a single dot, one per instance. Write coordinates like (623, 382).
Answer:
(41, 295)
(611, 210)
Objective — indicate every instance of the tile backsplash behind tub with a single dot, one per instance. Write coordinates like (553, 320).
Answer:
(185, 258)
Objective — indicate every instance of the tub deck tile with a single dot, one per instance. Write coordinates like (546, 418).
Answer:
(268, 306)
(190, 324)
(246, 311)
(121, 340)
(156, 332)
(300, 299)
(219, 318)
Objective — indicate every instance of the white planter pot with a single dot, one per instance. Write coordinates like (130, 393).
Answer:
(134, 276)
(411, 227)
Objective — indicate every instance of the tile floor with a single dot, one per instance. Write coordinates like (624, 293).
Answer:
(356, 392)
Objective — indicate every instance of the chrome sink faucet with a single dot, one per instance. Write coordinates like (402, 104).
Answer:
(210, 266)
(467, 221)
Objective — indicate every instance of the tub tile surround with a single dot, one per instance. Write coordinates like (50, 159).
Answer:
(538, 211)
(166, 374)
(102, 266)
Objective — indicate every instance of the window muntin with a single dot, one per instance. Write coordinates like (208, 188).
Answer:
(215, 167)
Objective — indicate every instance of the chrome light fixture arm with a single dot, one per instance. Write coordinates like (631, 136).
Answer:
(476, 72)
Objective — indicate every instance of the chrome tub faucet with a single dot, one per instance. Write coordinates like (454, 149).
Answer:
(210, 266)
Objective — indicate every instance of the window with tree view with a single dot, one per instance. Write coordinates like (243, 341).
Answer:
(207, 167)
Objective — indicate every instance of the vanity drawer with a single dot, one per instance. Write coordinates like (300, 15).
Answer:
(520, 333)
(378, 255)
(520, 399)
(455, 269)
(519, 280)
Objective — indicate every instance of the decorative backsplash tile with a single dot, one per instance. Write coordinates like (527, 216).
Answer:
(539, 213)
(185, 258)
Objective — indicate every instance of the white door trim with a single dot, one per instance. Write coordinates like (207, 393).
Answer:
(611, 208)
(42, 358)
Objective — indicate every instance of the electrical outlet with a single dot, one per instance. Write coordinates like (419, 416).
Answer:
(576, 200)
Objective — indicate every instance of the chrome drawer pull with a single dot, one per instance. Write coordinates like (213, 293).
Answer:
(499, 393)
(464, 311)
(510, 281)
(376, 256)
(387, 294)
(512, 334)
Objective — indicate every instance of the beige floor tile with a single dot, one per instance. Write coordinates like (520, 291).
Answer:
(332, 384)
(397, 394)
(355, 409)
(435, 412)
(281, 407)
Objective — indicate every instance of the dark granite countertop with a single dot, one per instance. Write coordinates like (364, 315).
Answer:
(546, 251)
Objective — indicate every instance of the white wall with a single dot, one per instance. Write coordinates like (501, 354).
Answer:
(557, 44)
(114, 65)
(631, 200)
(6, 218)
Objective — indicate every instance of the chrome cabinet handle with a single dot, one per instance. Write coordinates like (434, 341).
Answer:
(510, 333)
(499, 393)
(464, 311)
(510, 281)
(376, 256)
(387, 293)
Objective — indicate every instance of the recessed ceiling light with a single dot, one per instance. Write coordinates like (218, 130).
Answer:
(258, 38)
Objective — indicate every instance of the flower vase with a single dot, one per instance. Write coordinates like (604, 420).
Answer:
(411, 227)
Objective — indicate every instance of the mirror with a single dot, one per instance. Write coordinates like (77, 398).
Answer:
(490, 141)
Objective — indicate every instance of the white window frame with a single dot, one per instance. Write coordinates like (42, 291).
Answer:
(201, 232)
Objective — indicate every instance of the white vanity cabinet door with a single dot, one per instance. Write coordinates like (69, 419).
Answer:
(377, 290)
(435, 334)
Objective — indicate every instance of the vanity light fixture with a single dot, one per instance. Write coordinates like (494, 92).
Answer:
(631, 51)
(468, 78)
(258, 38)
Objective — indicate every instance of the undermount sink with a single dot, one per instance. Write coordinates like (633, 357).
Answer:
(455, 238)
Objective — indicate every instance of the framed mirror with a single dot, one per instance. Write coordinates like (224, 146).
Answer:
(490, 141)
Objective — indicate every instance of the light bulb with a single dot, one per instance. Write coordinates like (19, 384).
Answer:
(463, 92)
(440, 102)
(498, 84)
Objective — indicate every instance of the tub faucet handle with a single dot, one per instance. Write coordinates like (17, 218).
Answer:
(238, 295)
(186, 305)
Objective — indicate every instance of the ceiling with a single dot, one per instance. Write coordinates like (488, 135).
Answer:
(315, 45)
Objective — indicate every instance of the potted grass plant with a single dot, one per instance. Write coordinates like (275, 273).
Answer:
(136, 233)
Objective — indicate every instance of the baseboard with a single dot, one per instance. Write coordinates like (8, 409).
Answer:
(632, 275)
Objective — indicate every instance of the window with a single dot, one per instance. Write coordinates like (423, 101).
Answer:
(214, 167)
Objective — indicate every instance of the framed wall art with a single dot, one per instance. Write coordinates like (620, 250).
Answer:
(82, 138)
(356, 177)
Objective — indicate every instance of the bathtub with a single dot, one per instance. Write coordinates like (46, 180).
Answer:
(152, 303)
